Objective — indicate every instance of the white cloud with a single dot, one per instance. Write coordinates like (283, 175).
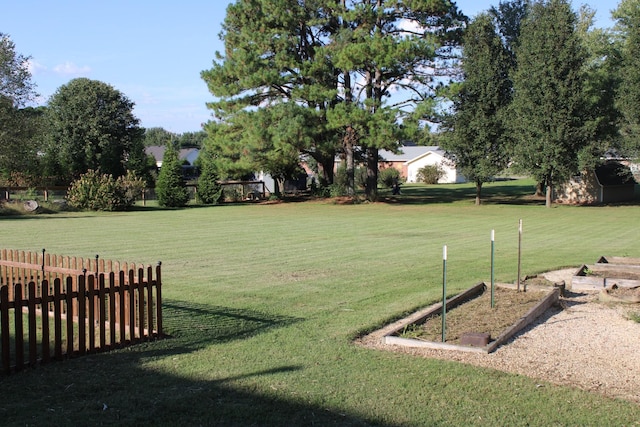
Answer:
(71, 69)
(35, 67)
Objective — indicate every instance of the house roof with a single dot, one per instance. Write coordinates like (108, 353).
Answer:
(409, 153)
(157, 151)
(614, 173)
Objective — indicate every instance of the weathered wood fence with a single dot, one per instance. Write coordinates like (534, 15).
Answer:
(52, 307)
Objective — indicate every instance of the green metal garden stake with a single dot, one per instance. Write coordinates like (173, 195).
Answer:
(519, 251)
(493, 238)
(444, 293)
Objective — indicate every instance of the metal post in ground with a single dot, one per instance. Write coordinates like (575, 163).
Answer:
(493, 238)
(444, 293)
(519, 251)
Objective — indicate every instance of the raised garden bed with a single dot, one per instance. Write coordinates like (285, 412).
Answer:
(605, 274)
(471, 322)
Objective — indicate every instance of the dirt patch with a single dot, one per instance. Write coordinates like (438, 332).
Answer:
(477, 316)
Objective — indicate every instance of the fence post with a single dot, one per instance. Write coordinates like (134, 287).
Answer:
(4, 326)
(46, 351)
(159, 298)
(82, 313)
(69, 301)
(19, 327)
(141, 322)
(33, 339)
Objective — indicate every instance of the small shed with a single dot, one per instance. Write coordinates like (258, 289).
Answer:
(610, 182)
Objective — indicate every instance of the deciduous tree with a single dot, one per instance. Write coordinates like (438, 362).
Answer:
(91, 126)
(627, 29)
(18, 125)
(477, 138)
(15, 77)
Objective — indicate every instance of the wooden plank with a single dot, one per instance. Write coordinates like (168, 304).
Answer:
(4, 328)
(82, 315)
(57, 319)
(33, 338)
(112, 310)
(141, 302)
(102, 312)
(91, 293)
(132, 307)
(528, 317)
(122, 308)
(159, 299)
(46, 351)
(69, 303)
(149, 286)
(19, 327)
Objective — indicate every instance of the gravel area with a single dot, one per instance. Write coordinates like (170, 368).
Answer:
(584, 343)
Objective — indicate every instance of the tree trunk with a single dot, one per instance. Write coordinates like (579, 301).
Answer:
(540, 189)
(548, 196)
(278, 183)
(349, 138)
(478, 193)
(371, 186)
(325, 169)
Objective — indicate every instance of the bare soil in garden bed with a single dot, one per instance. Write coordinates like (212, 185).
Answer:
(477, 315)
(581, 342)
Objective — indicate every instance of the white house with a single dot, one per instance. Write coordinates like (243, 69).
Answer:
(410, 159)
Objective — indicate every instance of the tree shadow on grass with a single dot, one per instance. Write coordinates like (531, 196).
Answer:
(201, 325)
(492, 193)
(149, 383)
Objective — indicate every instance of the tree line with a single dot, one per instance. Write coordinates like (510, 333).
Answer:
(529, 85)
(86, 138)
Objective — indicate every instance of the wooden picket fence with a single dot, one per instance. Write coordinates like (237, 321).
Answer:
(52, 307)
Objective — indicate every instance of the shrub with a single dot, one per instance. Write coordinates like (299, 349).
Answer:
(101, 192)
(430, 174)
(170, 187)
(209, 191)
(388, 177)
(133, 187)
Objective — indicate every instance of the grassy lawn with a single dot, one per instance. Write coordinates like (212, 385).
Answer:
(263, 301)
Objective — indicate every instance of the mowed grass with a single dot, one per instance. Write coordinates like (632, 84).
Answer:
(262, 303)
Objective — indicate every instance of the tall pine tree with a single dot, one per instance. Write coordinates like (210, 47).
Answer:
(548, 109)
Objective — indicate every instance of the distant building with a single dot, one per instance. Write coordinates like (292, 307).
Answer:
(611, 182)
(188, 154)
(410, 159)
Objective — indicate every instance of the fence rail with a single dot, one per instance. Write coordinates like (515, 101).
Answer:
(52, 307)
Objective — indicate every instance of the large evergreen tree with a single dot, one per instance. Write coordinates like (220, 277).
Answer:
(548, 109)
(477, 138)
(337, 59)
(602, 82)
(270, 58)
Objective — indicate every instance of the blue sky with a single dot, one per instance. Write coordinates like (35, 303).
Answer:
(151, 50)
